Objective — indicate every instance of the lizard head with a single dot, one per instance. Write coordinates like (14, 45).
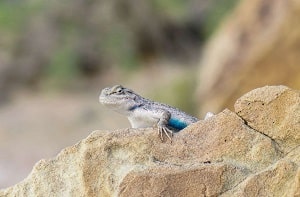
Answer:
(119, 99)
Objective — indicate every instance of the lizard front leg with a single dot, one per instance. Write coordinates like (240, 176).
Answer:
(162, 125)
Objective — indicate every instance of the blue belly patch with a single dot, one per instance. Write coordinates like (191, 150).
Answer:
(177, 124)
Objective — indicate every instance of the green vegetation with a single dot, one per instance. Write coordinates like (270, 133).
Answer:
(117, 44)
(217, 14)
(62, 67)
(179, 92)
(15, 14)
(12, 15)
(173, 8)
(115, 39)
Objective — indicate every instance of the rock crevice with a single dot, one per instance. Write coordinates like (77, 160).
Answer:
(264, 134)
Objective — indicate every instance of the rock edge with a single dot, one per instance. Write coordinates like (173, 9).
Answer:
(253, 152)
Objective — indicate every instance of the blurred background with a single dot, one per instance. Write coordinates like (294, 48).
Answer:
(197, 55)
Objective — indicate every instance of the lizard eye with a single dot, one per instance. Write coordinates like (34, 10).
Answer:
(119, 90)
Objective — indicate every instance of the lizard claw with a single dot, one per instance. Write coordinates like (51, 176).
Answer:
(166, 131)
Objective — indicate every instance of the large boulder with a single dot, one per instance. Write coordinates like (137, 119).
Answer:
(257, 45)
(229, 154)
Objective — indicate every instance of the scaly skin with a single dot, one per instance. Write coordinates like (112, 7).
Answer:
(142, 112)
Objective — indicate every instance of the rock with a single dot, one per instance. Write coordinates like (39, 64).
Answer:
(256, 46)
(227, 155)
(278, 108)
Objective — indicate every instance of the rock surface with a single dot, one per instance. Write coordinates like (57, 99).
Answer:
(257, 45)
(253, 152)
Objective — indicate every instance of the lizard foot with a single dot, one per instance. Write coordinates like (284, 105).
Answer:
(166, 131)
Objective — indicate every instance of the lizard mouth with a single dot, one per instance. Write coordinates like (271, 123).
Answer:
(103, 100)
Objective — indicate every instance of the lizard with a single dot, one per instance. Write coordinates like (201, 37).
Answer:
(142, 112)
